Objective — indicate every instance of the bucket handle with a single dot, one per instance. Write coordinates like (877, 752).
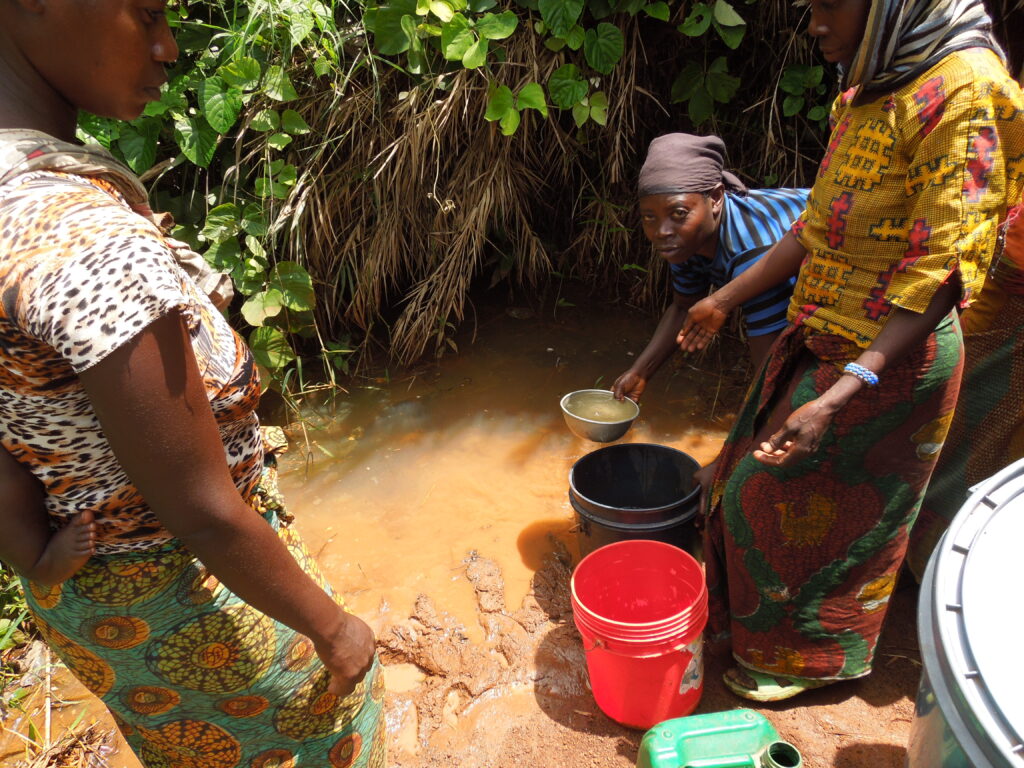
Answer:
(598, 643)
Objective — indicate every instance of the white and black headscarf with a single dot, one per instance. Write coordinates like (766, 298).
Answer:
(904, 38)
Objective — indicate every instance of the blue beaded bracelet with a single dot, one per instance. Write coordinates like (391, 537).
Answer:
(866, 375)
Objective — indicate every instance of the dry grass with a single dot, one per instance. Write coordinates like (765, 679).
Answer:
(409, 199)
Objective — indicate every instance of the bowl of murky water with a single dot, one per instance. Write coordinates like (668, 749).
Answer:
(595, 414)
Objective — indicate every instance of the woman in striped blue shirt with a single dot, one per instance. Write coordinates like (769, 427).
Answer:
(710, 229)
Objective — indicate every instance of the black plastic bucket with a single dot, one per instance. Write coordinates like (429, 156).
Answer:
(634, 491)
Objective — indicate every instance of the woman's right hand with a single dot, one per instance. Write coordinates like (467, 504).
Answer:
(347, 654)
(630, 384)
(703, 321)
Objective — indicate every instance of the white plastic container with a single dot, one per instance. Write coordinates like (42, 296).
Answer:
(970, 622)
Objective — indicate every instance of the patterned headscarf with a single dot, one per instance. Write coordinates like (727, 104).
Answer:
(683, 162)
(903, 38)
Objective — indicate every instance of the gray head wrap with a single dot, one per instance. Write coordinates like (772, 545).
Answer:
(682, 162)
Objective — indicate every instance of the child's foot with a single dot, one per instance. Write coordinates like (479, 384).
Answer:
(69, 548)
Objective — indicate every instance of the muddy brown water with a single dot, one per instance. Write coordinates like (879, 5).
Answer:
(435, 499)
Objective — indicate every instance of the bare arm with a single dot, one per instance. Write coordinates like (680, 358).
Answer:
(151, 402)
(707, 316)
(661, 346)
(905, 330)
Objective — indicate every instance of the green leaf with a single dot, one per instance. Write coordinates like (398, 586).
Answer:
(497, 26)
(255, 247)
(196, 139)
(575, 38)
(479, 6)
(689, 79)
(531, 96)
(250, 276)
(554, 44)
(476, 54)
(697, 22)
(295, 284)
(566, 87)
(499, 103)
(279, 140)
(603, 47)
(253, 220)
(386, 24)
(270, 348)
(299, 27)
(221, 222)
(278, 86)
(817, 113)
(792, 80)
(658, 11)
(442, 10)
(726, 15)
(422, 7)
(721, 85)
(224, 256)
(701, 106)
(731, 36)
(261, 306)
(456, 38)
(509, 123)
(560, 15)
(265, 120)
(243, 72)
(100, 129)
(580, 113)
(220, 103)
(792, 105)
(137, 143)
(292, 122)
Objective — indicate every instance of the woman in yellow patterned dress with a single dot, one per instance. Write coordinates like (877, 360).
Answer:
(200, 621)
(824, 470)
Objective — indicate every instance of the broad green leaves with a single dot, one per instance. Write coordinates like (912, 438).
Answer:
(506, 108)
(801, 83)
(702, 88)
(567, 87)
(720, 14)
(603, 47)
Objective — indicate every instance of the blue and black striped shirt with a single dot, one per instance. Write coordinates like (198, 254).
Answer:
(751, 224)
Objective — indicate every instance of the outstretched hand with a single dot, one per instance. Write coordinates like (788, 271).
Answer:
(799, 437)
(348, 655)
(629, 384)
(703, 321)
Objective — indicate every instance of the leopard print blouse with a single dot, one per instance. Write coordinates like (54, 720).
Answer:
(81, 274)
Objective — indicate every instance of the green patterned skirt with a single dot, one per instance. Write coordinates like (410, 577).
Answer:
(195, 677)
(801, 560)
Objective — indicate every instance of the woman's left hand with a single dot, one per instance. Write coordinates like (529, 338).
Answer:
(799, 437)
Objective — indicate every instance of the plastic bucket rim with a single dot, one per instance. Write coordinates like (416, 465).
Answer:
(628, 630)
(667, 634)
(701, 599)
(631, 419)
(629, 627)
(695, 492)
(616, 525)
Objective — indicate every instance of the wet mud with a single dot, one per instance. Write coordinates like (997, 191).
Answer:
(436, 500)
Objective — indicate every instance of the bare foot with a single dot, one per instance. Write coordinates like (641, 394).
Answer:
(67, 550)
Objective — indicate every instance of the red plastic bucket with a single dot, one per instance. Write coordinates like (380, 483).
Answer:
(641, 607)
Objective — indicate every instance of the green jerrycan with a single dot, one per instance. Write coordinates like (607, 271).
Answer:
(740, 738)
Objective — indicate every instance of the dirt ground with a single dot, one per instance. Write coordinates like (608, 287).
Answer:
(522, 697)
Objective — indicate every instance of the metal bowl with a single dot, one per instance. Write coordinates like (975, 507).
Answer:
(593, 429)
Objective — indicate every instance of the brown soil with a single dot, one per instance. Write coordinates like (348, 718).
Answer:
(522, 697)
